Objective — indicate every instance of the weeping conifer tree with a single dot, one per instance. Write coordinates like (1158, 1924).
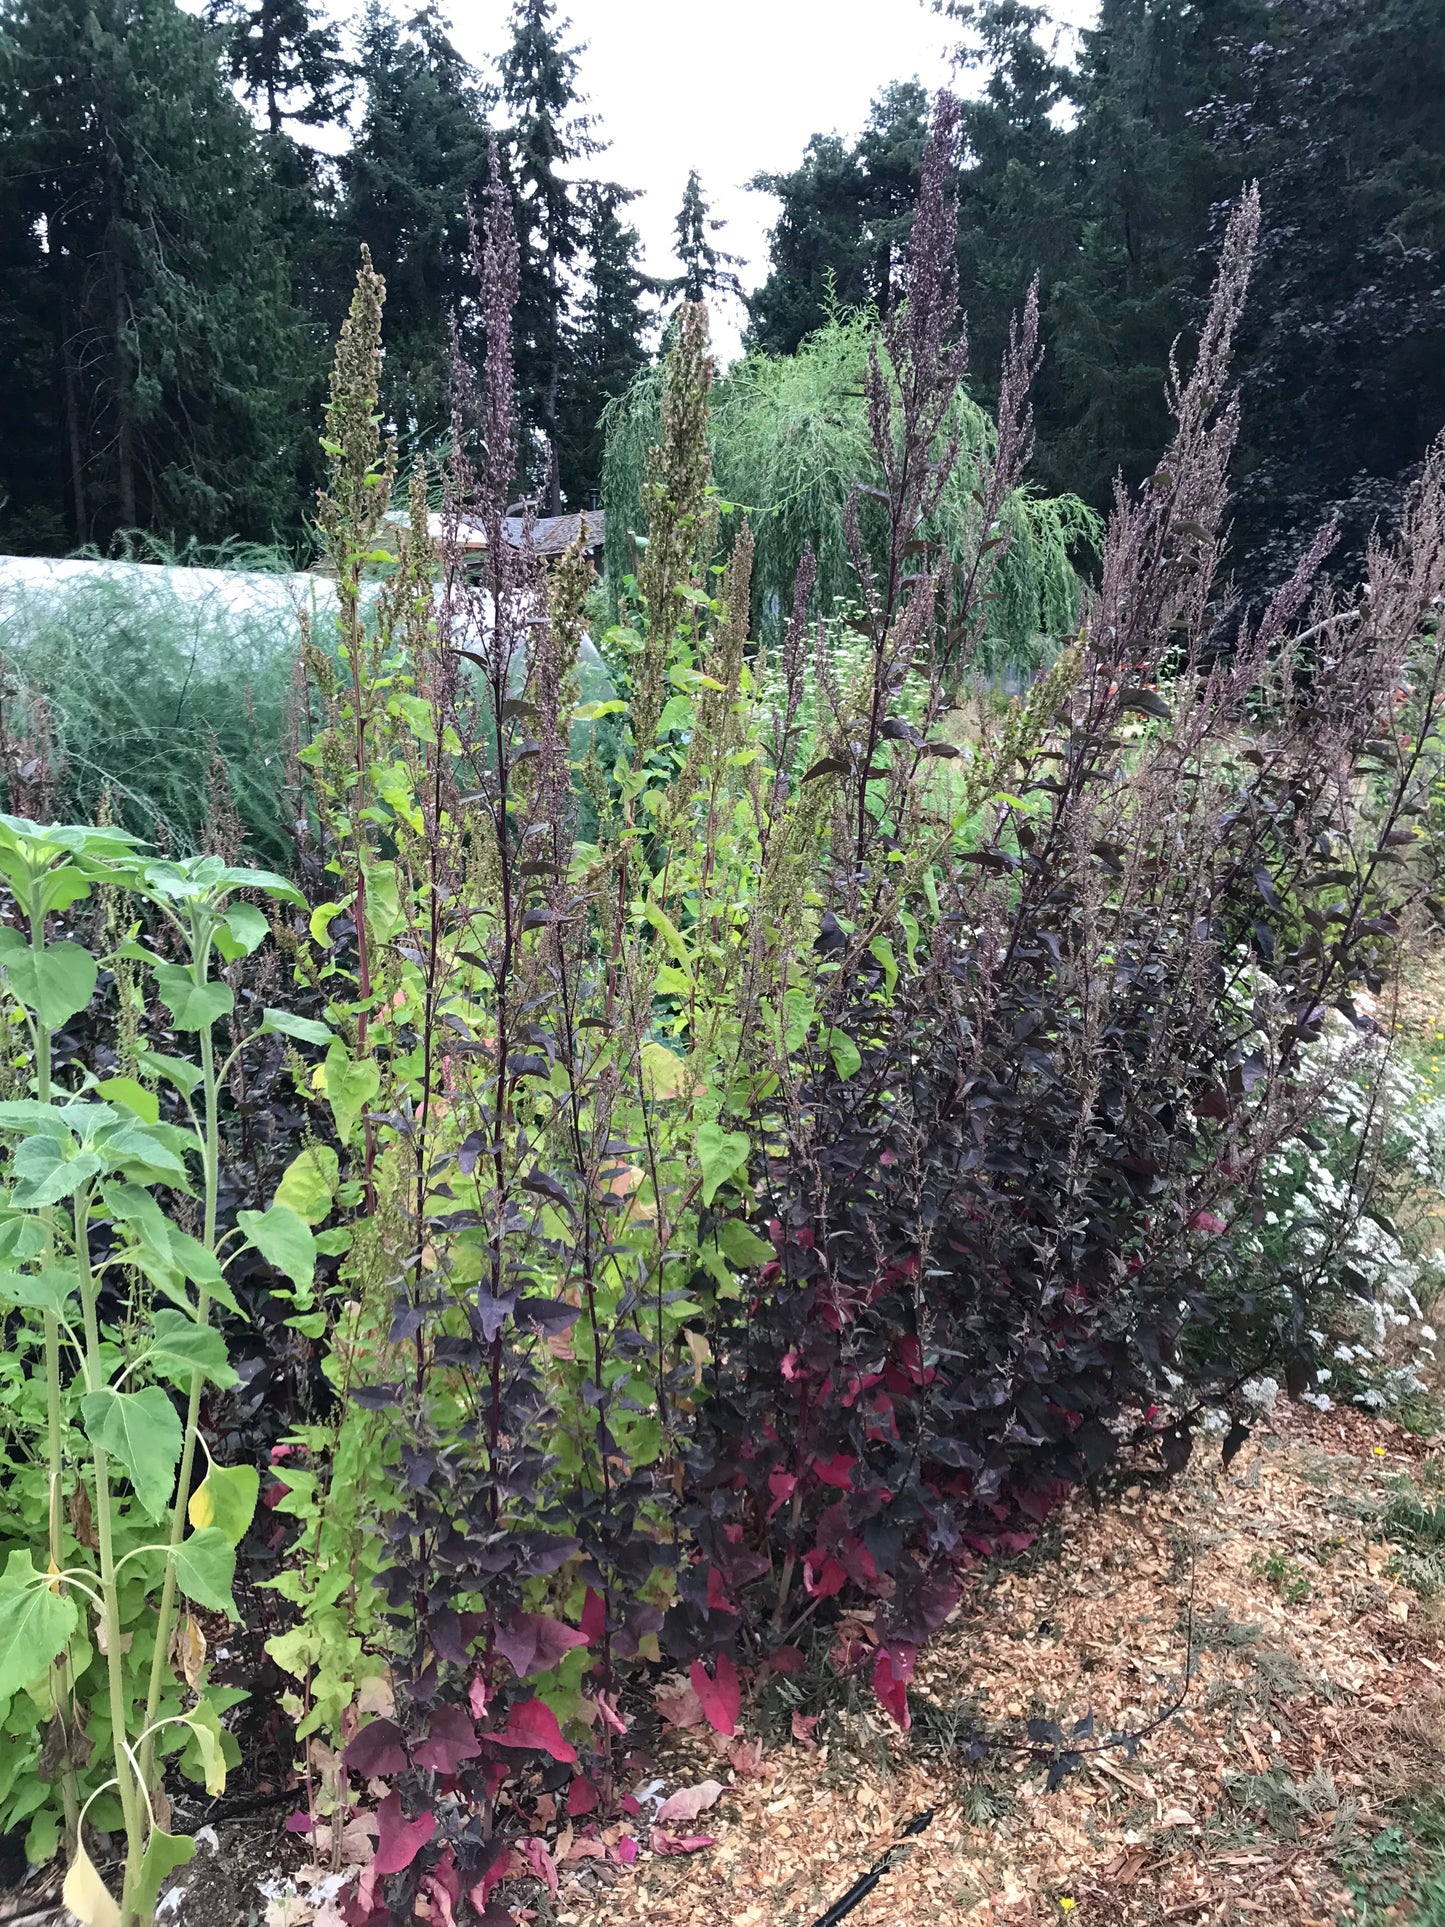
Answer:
(790, 439)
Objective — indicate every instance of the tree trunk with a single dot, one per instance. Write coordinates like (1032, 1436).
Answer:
(74, 445)
(124, 408)
(69, 388)
(123, 374)
(553, 494)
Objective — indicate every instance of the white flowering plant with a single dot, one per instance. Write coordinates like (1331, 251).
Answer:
(1329, 1257)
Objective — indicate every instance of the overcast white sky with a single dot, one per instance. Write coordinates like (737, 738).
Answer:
(732, 88)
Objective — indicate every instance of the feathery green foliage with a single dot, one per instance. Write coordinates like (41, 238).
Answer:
(142, 687)
(789, 440)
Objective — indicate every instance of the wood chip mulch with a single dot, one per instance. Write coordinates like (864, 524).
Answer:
(1318, 1690)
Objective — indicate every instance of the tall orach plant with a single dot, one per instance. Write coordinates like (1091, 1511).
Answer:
(1002, 1231)
(108, 1291)
(574, 1046)
(973, 1020)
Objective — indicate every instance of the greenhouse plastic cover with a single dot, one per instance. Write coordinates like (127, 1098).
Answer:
(246, 598)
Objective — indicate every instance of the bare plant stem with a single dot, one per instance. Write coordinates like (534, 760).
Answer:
(210, 1157)
(54, 1419)
(131, 1799)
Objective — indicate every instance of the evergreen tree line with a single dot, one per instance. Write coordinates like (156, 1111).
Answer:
(184, 197)
(1111, 175)
(177, 248)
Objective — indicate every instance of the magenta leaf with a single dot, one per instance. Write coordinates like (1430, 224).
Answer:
(298, 1822)
(626, 1849)
(667, 1843)
(581, 1797)
(594, 1618)
(781, 1485)
(892, 1670)
(611, 1718)
(822, 1581)
(451, 1740)
(497, 1870)
(534, 1852)
(399, 1840)
(719, 1695)
(533, 1643)
(837, 1471)
(533, 1724)
(376, 1752)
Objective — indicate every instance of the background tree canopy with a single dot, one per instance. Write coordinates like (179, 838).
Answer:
(790, 438)
(174, 255)
(1112, 178)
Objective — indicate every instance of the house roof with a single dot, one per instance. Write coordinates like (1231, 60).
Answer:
(552, 535)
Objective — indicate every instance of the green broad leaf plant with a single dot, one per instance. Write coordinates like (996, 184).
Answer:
(111, 1545)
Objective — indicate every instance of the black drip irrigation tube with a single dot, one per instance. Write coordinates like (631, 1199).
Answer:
(865, 1884)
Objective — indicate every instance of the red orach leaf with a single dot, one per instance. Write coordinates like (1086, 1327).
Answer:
(582, 1797)
(540, 1861)
(298, 1822)
(399, 1840)
(376, 1752)
(892, 1670)
(747, 1758)
(822, 1581)
(837, 1471)
(442, 1887)
(451, 1739)
(781, 1485)
(720, 1695)
(717, 1596)
(594, 1618)
(533, 1724)
(626, 1849)
(533, 1643)
(499, 1870)
(668, 1844)
(803, 1724)
(611, 1718)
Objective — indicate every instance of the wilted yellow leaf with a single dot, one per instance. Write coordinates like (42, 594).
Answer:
(665, 1075)
(191, 1650)
(697, 1344)
(86, 1894)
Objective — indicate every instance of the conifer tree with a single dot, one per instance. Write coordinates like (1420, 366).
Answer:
(285, 59)
(159, 354)
(418, 160)
(843, 222)
(608, 344)
(548, 134)
(705, 268)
